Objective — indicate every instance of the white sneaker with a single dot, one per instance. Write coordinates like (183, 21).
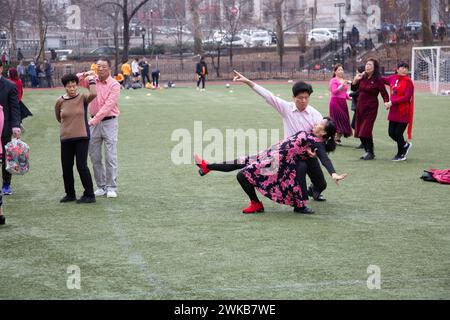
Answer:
(111, 194)
(100, 192)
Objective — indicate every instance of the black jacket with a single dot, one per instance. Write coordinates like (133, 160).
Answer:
(9, 100)
(199, 66)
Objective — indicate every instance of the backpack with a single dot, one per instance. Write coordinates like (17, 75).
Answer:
(17, 157)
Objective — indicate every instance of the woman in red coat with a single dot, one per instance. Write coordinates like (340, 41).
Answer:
(370, 84)
(402, 109)
(14, 77)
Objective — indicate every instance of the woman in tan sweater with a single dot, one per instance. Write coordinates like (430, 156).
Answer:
(71, 111)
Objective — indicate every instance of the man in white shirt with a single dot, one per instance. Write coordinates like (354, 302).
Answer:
(297, 116)
(135, 69)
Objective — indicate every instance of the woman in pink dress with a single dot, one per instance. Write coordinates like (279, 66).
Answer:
(273, 172)
(338, 103)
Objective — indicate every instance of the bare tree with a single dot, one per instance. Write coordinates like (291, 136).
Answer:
(42, 25)
(194, 10)
(278, 9)
(232, 23)
(128, 11)
(426, 26)
(114, 14)
(11, 11)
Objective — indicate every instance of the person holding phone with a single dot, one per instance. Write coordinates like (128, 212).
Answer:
(338, 103)
(370, 84)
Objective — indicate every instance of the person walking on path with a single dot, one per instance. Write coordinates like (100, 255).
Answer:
(201, 70)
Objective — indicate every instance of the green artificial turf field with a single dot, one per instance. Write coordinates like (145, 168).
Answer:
(172, 234)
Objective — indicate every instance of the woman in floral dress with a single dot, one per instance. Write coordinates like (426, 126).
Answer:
(273, 172)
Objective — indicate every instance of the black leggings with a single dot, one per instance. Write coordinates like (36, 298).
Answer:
(229, 167)
(368, 144)
(201, 79)
(155, 79)
(76, 149)
(396, 131)
(144, 77)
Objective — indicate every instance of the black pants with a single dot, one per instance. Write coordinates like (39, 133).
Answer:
(396, 131)
(145, 76)
(354, 120)
(201, 79)
(5, 174)
(229, 167)
(368, 144)
(155, 79)
(76, 149)
(310, 167)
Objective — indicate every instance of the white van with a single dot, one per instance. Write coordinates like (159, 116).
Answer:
(322, 34)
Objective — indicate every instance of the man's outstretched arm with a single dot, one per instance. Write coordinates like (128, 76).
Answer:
(279, 104)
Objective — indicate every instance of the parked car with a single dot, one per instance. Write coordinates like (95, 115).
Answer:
(61, 54)
(104, 51)
(387, 27)
(237, 41)
(414, 26)
(246, 35)
(322, 34)
(260, 38)
(219, 35)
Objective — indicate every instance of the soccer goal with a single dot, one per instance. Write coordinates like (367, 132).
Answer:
(430, 69)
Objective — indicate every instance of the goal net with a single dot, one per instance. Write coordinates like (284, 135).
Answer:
(430, 69)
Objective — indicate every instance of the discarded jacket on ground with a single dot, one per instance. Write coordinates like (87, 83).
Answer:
(435, 175)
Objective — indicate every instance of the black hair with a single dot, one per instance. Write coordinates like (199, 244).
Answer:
(330, 129)
(301, 87)
(106, 60)
(69, 78)
(376, 68)
(1, 63)
(337, 66)
(361, 69)
(403, 64)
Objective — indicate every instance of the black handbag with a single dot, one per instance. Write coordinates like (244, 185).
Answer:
(427, 176)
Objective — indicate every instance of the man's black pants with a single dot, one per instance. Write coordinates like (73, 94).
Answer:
(310, 167)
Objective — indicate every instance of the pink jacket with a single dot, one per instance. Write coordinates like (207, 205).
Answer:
(335, 93)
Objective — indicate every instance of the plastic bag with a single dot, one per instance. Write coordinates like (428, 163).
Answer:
(17, 157)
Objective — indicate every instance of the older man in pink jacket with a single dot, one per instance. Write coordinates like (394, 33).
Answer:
(104, 128)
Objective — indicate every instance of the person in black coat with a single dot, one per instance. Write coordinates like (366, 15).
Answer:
(201, 70)
(11, 110)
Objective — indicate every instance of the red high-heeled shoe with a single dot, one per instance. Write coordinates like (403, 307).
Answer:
(254, 207)
(202, 164)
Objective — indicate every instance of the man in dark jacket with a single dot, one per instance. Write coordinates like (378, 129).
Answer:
(11, 126)
(202, 71)
(48, 70)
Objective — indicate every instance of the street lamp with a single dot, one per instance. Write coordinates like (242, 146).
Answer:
(342, 25)
(151, 26)
(143, 40)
